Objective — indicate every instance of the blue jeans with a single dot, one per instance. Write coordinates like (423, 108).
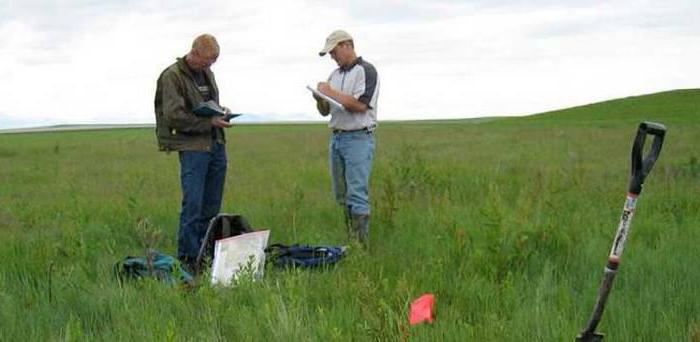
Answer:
(202, 176)
(350, 158)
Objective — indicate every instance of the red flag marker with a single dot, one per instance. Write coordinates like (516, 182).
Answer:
(422, 309)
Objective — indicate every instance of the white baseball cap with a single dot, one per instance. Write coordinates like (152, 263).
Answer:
(335, 38)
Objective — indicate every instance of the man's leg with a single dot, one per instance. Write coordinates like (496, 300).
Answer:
(337, 169)
(193, 170)
(358, 152)
(336, 165)
(214, 185)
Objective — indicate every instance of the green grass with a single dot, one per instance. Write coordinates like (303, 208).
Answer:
(508, 222)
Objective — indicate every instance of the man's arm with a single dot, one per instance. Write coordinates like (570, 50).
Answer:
(174, 112)
(350, 103)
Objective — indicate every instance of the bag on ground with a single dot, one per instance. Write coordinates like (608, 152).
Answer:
(304, 256)
(220, 227)
(155, 265)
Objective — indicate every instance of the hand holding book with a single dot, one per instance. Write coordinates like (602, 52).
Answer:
(211, 108)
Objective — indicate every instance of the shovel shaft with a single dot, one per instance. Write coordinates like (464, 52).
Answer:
(623, 229)
(589, 332)
(611, 268)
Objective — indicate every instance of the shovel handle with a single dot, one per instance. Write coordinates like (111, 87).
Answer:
(641, 166)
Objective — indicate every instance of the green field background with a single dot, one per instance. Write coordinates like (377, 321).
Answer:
(508, 222)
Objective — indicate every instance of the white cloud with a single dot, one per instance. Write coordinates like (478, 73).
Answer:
(98, 63)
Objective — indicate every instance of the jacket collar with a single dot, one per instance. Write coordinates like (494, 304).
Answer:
(185, 68)
(182, 64)
(351, 65)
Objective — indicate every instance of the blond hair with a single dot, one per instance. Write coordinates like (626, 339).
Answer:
(205, 45)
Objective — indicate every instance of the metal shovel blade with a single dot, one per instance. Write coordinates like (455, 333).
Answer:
(590, 337)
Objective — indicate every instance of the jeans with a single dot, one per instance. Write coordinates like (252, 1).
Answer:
(202, 176)
(350, 158)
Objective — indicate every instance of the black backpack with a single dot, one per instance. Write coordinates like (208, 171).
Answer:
(220, 227)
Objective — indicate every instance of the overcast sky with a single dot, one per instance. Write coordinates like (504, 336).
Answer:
(70, 62)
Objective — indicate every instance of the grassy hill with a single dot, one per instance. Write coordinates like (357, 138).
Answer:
(508, 222)
(672, 107)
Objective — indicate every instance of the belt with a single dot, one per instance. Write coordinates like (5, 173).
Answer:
(366, 129)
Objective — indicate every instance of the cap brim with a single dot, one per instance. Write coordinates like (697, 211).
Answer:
(328, 48)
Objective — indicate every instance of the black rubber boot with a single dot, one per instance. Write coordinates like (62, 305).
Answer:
(348, 220)
(360, 228)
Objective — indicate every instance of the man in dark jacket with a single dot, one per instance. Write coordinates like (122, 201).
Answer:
(199, 141)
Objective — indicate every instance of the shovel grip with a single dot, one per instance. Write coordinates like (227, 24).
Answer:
(642, 165)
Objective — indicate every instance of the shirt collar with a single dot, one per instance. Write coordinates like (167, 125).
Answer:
(351, 65)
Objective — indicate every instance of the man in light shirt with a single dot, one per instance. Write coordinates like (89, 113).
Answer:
(355, 85)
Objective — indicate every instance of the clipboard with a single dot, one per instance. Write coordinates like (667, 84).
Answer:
(325, 97)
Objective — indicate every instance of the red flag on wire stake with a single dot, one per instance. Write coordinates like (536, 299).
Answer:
(422, 309)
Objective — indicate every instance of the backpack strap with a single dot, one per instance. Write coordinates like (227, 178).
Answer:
(277, 247)
(274, 251)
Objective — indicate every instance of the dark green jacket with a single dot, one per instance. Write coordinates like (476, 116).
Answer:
(177, 128)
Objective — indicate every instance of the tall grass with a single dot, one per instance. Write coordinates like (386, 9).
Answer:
(507, 222)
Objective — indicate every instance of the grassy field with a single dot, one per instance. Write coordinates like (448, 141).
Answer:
(508, 222)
